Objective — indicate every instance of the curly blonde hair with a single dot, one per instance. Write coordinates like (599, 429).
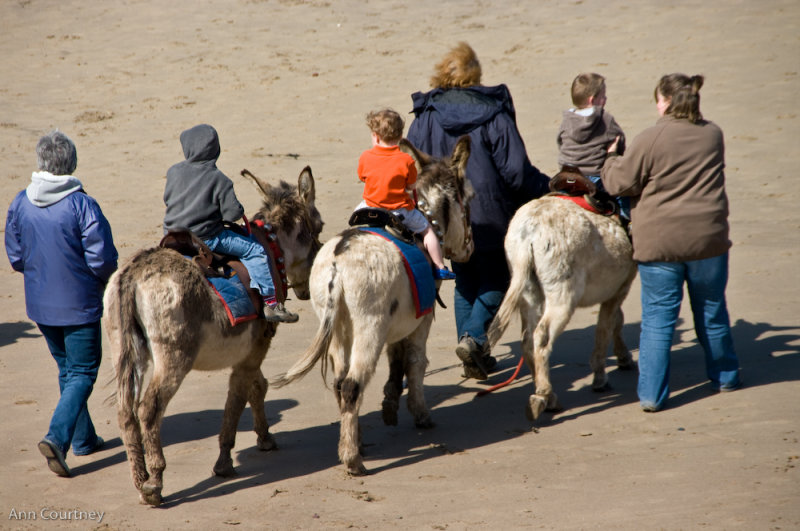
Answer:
(459, 68)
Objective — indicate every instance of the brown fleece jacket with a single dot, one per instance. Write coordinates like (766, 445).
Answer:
(674, 174)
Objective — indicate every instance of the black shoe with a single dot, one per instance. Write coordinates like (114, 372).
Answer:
(55, 458)
(471, 354)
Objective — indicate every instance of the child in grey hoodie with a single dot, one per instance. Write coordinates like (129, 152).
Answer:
(199, 197)
(587, 130)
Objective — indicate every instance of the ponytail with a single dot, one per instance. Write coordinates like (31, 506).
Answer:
(683, 93)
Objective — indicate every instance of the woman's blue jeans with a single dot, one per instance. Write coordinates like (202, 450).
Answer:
(662, 293)
(251, 254)
(481, 284)
(77, 351)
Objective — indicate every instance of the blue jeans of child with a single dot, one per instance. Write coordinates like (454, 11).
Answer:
(623, 202)
(251, 254)
(77, 351)
(662, 292)
(481, 284)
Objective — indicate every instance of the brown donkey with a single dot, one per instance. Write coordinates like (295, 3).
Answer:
(160, 307)
(362, 296)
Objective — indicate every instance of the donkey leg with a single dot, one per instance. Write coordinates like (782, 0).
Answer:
(367, 348)
(241, 381)
(394, 384)
(602, 333)
(416, 361)
(162, 387)
(624, 359)
(258, 392)
(554, 319)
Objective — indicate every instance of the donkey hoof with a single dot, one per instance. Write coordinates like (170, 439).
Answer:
(357, 469)
(265, 444)
(535, 407)
(150, 495)
(626, 364)
(425, 423)
(389, 413)
(224, 467)
(600, 383)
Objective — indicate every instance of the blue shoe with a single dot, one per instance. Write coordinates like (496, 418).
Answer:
(444, 274)
(55, 458)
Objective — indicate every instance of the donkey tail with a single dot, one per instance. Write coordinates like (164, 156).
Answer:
(132, 356)
(522, 272)
(318, 350)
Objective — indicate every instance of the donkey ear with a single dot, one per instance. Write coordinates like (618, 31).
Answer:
(460, 156)
(420, 158)
(263, 187)
(305, 186)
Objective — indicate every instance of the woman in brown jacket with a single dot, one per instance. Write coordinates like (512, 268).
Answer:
(674, 174)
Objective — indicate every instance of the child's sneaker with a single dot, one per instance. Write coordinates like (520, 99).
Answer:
(276, 312)
(444, 274)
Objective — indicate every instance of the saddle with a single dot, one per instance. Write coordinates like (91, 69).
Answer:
(383, 219)
(570, 183)
(378, 218)
(214, 264)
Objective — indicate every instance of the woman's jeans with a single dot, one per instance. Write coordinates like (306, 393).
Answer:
(77, 351)
(251, 254)
(481, 284)
(662, 292)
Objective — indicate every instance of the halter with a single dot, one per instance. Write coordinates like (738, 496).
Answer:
(424, 207)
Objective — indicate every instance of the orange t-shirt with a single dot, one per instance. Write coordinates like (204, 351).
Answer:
(386, 173)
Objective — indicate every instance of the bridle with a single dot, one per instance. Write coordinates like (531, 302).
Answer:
(426, 208)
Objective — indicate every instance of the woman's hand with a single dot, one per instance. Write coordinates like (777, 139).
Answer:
(613, 147)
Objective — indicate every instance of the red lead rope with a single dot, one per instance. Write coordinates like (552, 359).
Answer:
(502, 384)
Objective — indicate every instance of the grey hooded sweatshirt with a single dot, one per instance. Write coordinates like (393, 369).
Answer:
(583, 140)
(198, 196)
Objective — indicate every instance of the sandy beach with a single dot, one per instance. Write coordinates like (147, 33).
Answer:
(287, 83)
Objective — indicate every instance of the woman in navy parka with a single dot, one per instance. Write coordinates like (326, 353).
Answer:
(501, 174)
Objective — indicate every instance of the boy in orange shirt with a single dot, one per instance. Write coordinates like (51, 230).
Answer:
(389, 177)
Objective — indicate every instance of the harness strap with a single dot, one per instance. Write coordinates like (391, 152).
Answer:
(271, 239)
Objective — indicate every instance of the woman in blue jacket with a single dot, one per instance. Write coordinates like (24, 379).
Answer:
(58, 238)
(501, 174)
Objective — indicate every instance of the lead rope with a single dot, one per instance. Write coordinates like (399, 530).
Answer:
(502, 384)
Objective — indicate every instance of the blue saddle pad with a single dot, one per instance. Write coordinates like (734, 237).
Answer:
(234, 297)
(420, 275)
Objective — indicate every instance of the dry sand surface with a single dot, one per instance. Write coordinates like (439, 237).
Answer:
(287, 83)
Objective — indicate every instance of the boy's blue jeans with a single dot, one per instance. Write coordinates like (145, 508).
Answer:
(623, 202)
(252, 255)
(77, 351)
(481, 284)
(662, 292)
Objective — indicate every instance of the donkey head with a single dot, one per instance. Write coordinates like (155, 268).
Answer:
(444, 194)
(291, 212)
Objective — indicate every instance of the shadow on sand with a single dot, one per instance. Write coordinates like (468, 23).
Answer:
(767, 355)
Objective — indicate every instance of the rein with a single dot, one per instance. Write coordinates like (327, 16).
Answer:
(271, 239)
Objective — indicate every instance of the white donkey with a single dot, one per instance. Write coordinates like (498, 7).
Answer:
(563, 256)
(362, 296)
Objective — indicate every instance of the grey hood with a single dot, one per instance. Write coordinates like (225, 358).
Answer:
(47, 189)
